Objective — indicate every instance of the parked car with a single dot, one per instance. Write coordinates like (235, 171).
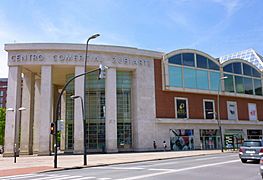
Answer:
(251, 149)
(261, 167)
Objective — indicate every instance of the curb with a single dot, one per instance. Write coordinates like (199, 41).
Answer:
(117, 163)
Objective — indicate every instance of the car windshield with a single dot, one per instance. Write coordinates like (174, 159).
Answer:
(252, 143)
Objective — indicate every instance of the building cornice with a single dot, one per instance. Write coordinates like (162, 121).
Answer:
(82, 47)
(207, 121)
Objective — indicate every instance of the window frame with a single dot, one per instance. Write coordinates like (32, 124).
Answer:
(187, 107)
(204, 108)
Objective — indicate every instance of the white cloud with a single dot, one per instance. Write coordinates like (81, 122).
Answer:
(231, 6)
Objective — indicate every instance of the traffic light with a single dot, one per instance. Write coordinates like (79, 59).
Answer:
(52, 128)
(102, 71)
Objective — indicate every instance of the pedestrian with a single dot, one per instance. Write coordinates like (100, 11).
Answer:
(154, 145)
(164, 146)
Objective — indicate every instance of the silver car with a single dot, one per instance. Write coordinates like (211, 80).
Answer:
(261, 167)
(251, 150)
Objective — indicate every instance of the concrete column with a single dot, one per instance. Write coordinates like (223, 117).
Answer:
(36, 117)
(46, 110)
(63, 117)
(143, 108)
(27, 114)
(111, 111)
(78, 118)
(13, 101)
(197, 140)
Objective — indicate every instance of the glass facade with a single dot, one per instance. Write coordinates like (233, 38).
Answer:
(124, 125)
(202, 79)
(175, 75)
(189, 78)
(210, 139)
(242, 78)
(95, 98)
(193, 71)
(69, 115)
(95, 112)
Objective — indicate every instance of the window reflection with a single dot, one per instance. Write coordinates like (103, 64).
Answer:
(249, 83)
(237, 68)
(188, 59)
(201, 73)
(229, 83)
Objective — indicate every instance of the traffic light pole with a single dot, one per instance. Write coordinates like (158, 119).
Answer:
(57, 113)
(101, 70)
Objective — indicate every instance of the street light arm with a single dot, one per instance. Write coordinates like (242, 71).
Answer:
(57, 105)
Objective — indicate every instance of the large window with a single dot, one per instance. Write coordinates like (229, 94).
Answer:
(95, 98)
(188, 59)
(202, 79)
(257, 87)
(124, 126)
(175, 75)
(214, 80)
(239, 84)
(242, 78)
(69, 115)
(194, 71)
(189, 78)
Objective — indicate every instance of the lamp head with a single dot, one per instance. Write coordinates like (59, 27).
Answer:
(10, 109)
(93, 36)
(74, 97)
(21, 109)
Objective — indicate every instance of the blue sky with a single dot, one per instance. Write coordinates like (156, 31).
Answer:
(217, 27)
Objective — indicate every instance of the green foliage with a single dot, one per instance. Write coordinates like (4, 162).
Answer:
(2, 125)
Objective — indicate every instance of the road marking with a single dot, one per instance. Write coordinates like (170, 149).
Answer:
(178, 170)
(50, 176)
(208, 158)
(160, 169)
(69, 177)
(177, 161)
(86, 178)
(120, 168)
(19, 176)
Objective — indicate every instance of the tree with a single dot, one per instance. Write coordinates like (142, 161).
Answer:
(2, 125)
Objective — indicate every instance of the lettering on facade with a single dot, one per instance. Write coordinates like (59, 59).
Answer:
(76, 58)
(68, 58)
(28, 58)
(127, 61)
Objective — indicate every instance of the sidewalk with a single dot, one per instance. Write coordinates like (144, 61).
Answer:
(31, 164)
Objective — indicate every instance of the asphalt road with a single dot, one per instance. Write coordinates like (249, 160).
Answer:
(225, 166)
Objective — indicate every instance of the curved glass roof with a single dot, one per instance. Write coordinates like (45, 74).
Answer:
(249, 55)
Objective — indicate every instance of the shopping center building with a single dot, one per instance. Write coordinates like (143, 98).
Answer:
(147, 96)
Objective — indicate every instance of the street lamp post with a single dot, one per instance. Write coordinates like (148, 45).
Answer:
(218, 112)
(84, 95)
(15, 127)
(84, 128)
(57, 111)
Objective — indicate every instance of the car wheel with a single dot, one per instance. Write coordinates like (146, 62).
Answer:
(243, 160)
